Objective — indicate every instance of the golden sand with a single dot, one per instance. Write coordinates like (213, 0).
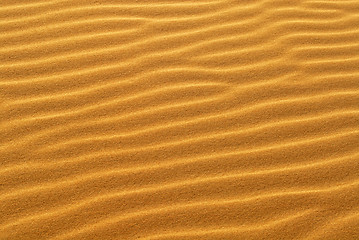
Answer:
(179, 119)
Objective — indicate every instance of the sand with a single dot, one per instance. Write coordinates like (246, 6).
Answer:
(179, 119)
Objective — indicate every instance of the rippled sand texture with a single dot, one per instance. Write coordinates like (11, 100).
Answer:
(179, 119)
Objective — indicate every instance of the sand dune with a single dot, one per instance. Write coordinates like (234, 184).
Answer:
(179, 119)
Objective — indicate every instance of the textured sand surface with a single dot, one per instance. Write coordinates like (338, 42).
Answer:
(179, 119)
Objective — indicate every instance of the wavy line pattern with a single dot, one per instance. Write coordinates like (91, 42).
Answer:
(179, 119)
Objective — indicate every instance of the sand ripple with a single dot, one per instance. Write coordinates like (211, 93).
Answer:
(179, 119)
